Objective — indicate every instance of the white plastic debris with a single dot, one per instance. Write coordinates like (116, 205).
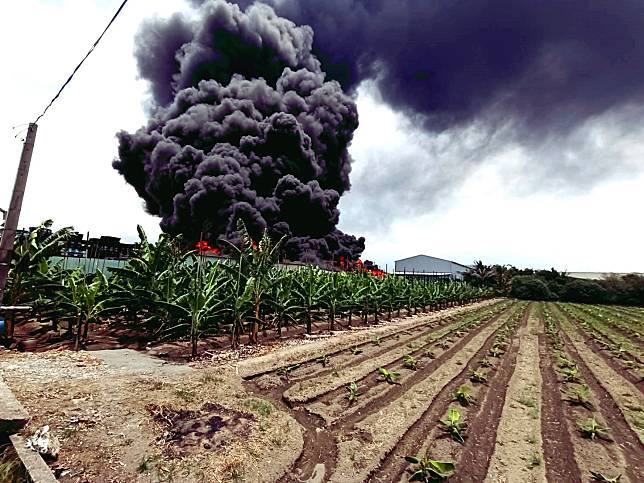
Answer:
(44, 443)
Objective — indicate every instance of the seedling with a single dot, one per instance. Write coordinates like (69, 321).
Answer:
(353, 394)
(324, 360)
(485, 362)
(430, 354)
(285, 371)
(388, 376)
(427, 470)
(597, 476)
(579, 396)
(453, 425)
(571, 374)
(443, 344)
(496, 351)
(410, 362)
(355, 351)
(591, 429)
(464, 396)
(412, 345)
(565, 363)
(375, 340)
(478, 376)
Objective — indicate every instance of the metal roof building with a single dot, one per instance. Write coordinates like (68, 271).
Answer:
(430, 267)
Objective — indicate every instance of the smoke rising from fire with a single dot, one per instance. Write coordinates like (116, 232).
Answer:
(243, 124)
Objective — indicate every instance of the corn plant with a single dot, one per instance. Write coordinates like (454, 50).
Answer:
(464, 396)
(410, 362)
(352, 392)
(453, 426)
(427, 470)
(388, 376)
(591, 429)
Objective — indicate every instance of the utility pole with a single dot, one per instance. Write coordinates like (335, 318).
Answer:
(13, 214)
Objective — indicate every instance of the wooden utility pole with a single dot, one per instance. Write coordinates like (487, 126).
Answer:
(13, 214)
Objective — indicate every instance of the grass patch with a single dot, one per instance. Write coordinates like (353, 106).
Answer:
(259, 406)
(185, 394)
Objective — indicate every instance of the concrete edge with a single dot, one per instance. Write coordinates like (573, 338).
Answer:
(37, 469)
(13, 416)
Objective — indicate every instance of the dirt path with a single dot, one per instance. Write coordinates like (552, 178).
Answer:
(518, 448)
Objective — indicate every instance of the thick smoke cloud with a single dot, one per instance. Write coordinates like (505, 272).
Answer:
(243, 125)
(545, 65)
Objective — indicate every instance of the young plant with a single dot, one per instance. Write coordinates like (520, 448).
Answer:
(485, 362)
(352, 390)
(571, 374)
(464, 396)
(453, 425)
(597, 476)
(410, 362)
(375, 340)
(355, 351)
(427, 470)
(478, 377)
(496, 351)
(388, 376)
(579, 396)
(324, 360)
(430, 354)
(591, 429)
(285, 371)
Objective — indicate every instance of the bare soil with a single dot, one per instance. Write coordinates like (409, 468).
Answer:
(279, 411)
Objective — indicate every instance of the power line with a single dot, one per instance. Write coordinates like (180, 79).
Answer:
(81, 62)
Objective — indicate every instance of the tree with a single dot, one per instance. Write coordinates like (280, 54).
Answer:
(530, 288)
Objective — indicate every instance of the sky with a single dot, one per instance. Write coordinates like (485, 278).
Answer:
(459, 195)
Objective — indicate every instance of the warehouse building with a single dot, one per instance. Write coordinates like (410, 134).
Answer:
(430, 268)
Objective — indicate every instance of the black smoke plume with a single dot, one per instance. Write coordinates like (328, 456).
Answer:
(243, 125)
(545, 65)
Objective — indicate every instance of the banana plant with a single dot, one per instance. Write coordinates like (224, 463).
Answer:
(427, 470)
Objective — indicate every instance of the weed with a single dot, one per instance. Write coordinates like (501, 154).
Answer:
(410, 362)
(478, 376)
(597, 476)
(185, 394)
(579, 396)
(453, 425)
(259, 406)
(353, 393)
(427, 470)
(535, 460)
(591, 429)
(527, 402)
(464, 396)
(388, 376)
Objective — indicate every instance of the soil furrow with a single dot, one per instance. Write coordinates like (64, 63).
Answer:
(353, 414)
(479, 445)
(615, 396)
(361, 451)
(614, 363)
(518, 447)
(412, 443)
(558, 451)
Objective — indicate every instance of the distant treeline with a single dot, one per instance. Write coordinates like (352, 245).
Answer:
(553, 285)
